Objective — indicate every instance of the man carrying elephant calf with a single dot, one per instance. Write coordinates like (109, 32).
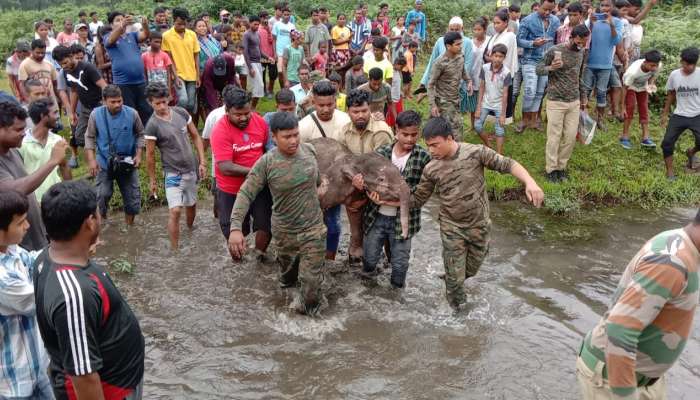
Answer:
(380, 221)
(291, 173)
(362, 135)
(456, 173)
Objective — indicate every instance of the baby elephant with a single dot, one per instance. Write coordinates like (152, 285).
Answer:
(338, 166)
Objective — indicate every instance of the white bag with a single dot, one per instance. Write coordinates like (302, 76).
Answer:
(586, 127)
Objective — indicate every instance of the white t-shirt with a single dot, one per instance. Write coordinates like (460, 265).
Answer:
(94, 26)
(309, 130)
(637, 80)
(400, 163)
(636, 34)
(687, 89)
(214, 116)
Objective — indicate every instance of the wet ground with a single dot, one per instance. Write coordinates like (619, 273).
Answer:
(218, 330)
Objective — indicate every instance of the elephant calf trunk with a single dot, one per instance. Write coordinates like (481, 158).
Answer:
(404, 199)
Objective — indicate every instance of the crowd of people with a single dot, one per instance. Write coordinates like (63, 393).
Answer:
(128, 85)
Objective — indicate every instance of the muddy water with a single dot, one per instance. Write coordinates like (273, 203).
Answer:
(215, 330)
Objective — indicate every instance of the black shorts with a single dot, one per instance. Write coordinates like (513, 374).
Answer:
(406, 77)
(260, 210)
(676, 126)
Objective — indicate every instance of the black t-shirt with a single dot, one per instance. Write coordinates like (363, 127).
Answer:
(87, 327)
(84, 79)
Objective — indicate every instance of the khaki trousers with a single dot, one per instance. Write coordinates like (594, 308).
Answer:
(562, 124)
(594, 387)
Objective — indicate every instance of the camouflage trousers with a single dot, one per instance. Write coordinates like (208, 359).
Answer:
(450, 111)
(301, 257)
(463, 251)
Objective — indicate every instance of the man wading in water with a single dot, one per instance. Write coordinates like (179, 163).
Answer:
(292, 175)
(456, 174)
(644, 331)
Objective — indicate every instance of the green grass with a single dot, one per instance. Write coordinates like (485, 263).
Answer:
(601, 174)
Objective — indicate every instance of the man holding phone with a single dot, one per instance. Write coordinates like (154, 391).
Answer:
(563, 65)
(536, 35)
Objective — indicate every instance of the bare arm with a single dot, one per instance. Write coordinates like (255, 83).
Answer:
(88, 387)
(642, 14)
(532, 190)
(145, 33)
(199, 146)
(670, 99)
(116, 34)
(151, 162)
(31, 182)
(228, 168)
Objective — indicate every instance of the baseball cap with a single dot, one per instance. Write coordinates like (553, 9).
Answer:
(22, 45)
(224, 12)
(80, 26)
(220, 65)
(419, 1)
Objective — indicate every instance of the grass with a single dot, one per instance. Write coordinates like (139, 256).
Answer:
(601, 174)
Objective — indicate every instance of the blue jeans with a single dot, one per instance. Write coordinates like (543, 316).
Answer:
(128, 186)
(187, 96)
(479, 124)
(533, 87)
(331, 218)
(384, 228)
(597, 78)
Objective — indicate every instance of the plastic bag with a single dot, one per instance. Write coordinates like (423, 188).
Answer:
(586, 127)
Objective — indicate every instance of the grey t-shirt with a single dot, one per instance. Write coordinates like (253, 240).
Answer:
(687, 89)
(251, 46)
(315, 35)
(172, 140)
(11, 168)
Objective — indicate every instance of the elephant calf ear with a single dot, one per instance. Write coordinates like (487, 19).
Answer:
(347, 171)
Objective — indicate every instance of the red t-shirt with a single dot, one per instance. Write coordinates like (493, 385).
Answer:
(242, 147)
(320, 61)
(156, 65)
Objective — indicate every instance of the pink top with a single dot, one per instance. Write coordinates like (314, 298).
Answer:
(66, 39)
(266, 42)
(320, 61)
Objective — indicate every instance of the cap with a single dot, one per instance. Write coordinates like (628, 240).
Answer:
(80, 26)
(456, 21)
(22, 45)
(316, 76)
(295, 34)
(220, 65)
(419, 1)
(224, 12)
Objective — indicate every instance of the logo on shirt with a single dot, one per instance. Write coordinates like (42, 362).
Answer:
(252, 146)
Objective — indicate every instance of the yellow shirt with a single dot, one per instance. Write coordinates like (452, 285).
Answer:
(340, 103)
(385, 65)
(183, 49)
(341, 33)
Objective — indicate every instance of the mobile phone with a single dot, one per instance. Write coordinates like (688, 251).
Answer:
(601, 16)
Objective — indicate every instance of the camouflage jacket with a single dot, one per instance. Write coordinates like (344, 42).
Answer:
(417, 161)
(445, 79)
(292, 181)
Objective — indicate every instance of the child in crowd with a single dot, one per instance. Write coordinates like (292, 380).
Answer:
(479, 44)
(495, 79)
(407, 71)
(396, 90)
(340, 97)
(380, 104)
(24, 361)
(354, 73)
(638, 81)
(397, 37)
(410, 35)
(320, 60)
(241, 66)
(158, 65)
(293, 57)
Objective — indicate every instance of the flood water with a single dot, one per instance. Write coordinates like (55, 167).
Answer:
(218, 330)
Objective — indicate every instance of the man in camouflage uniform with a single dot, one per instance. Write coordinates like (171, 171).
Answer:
(291, 173)
(445, 79)
(456, 174)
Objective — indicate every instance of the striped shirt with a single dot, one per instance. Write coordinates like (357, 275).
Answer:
(22, 355)
(645, 330)
(360, 32)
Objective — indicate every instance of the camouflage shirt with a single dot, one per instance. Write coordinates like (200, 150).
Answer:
(445, 78)
(460, 184)
(292, 181)
(566, 83)
(376, 133)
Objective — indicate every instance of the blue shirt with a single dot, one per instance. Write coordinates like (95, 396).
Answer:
(283, 38)
(119, 130)
(439, 49)
(531, 28)
(360, 32)
(127, 66)
(22, 355)
(419, 17)
(602, 44)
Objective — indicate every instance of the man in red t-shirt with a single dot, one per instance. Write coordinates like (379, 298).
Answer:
(238, 141)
